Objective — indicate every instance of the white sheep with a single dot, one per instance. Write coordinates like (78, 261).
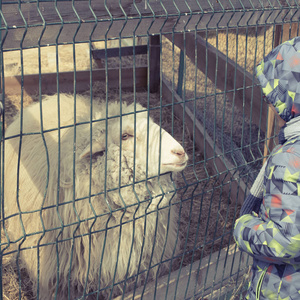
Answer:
(83, 199)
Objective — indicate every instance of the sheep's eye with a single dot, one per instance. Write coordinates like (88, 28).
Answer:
(97, 154)
(125, 136)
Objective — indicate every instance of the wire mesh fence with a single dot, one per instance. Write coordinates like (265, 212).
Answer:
(132, 131)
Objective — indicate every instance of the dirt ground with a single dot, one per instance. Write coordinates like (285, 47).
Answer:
(207, 213)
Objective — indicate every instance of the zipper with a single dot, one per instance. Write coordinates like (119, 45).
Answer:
(259, 284)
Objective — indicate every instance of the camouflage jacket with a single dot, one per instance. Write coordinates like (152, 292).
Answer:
(272, 237)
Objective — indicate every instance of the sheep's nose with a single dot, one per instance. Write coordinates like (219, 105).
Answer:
(178, 152)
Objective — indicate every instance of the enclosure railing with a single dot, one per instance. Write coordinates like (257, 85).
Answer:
(191, 65)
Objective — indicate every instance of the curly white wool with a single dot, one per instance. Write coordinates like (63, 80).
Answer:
(84, 202)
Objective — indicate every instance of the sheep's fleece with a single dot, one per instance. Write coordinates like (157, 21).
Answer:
(77, 202)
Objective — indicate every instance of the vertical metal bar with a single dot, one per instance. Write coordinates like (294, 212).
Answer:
(1, 190)
(180, 73)
(1, 58)
(154, 50)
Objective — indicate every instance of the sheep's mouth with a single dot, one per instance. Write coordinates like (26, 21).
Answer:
(176, 165)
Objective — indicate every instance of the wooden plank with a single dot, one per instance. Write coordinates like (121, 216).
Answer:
(286, 32)
(283, 33)
(216, 160)
(196, 279)
(123, 51)
(154, 57)
(247, 92)
(269, 145)
(30, 83)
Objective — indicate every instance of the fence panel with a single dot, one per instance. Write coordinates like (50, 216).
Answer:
(132, 131)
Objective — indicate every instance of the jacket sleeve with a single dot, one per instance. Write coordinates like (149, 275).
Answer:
(274, 234)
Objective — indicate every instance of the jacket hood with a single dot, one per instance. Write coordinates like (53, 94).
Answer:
(279, 76)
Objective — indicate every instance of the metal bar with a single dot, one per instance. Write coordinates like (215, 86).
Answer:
(180, 73)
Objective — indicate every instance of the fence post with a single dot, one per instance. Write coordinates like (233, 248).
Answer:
(154, 60)
(282, 33)
(1, 197)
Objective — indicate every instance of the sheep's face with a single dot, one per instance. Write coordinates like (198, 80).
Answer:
(155, 150)
(136, 142)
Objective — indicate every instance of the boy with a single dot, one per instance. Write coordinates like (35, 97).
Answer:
(269, 224)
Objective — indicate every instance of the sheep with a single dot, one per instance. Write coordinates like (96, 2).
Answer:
(90, 205)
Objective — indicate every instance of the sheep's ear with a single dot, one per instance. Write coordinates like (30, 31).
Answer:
(96, 148)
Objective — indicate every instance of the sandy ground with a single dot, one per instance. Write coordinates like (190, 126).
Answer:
(45, 59)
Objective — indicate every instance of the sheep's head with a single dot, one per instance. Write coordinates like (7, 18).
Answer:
(136, 140)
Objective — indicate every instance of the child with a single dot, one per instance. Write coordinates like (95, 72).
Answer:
(269, 224)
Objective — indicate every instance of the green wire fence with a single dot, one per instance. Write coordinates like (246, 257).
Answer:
(190, 64)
